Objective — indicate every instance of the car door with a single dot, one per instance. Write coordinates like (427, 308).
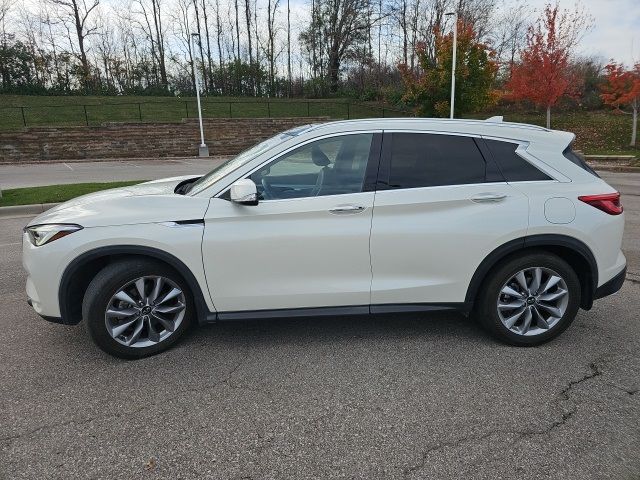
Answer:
(306, 243)
(440, 209)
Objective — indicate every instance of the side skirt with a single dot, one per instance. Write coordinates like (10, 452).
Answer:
(462, 307)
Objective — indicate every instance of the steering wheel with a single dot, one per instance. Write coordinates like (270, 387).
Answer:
(319, 182)
(267, 191)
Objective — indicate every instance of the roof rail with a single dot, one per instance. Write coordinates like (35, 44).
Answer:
(496, 121)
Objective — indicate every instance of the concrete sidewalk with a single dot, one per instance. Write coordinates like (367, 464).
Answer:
(38, 174)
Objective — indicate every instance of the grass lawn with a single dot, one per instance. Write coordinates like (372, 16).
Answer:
(94, 110)
(54, 193)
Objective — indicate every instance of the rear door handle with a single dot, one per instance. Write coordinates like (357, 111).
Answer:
(488, 197)
(341, 209)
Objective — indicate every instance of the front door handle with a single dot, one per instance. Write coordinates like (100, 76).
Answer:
(340, 209)
(488, 197)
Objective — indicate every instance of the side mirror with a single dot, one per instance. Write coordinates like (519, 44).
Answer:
(244, 192)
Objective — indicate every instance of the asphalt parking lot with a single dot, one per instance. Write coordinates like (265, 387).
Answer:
(412, 396)
(59, 173)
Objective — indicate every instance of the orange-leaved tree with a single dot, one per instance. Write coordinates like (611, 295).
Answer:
(623, 89)
(543, 75)
(429, 88)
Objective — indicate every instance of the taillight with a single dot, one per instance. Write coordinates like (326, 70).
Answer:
(608, 202)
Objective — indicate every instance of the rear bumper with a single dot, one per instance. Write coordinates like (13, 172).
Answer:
(612, 286)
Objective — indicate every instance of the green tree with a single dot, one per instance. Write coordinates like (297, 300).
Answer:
(429, 88)
(16, 62)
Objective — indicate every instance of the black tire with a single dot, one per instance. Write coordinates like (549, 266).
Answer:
(107, 283)
(486, 311)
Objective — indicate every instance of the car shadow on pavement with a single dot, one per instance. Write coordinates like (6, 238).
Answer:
(373, 332)
(435, 326)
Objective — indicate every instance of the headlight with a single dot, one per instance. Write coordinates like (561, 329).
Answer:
(43, 234)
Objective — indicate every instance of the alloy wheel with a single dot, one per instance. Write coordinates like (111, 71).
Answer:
(532, 301)
(145, 311)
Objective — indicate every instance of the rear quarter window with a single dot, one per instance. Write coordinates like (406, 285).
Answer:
(573, 157)
(514, 168)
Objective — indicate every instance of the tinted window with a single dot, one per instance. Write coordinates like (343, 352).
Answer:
(514, 168)
(331, 166)
(569, 154)
(425, 160)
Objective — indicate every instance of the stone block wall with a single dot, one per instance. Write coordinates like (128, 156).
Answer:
(140, 140)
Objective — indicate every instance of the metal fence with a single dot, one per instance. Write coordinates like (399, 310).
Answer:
(174, 109)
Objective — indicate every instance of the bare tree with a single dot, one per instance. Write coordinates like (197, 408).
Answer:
(289, 48)
(5, 7)
(477, 13)
(247, 13)
(219, 45)
(201, 58)
(349, 24)
(237, 30)
(105, 47)
(256, 82)
(182, 30)
(79, 11)
(508, 35)
(152, 27)
(272, 10)
(205, 18)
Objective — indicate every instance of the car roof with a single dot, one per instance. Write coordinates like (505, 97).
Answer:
(492, 127)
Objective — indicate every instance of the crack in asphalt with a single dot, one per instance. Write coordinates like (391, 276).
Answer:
(36, 431)
(564, 396)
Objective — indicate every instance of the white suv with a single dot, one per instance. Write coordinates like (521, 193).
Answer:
(497, 219)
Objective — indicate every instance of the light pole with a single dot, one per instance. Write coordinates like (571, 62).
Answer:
(453, 66)
(203, 150)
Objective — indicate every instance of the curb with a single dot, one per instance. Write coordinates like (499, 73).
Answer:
(612, 158)
(616, 168)
(23, 210)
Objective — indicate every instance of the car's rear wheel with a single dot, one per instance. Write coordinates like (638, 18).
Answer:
(135, 308)
(528, 300)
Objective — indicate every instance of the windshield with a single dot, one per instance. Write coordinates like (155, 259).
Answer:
(245, 157)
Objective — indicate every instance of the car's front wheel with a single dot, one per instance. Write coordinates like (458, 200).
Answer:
(135, 308)
(530, 299)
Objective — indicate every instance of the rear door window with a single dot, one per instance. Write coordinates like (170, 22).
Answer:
(430, 160)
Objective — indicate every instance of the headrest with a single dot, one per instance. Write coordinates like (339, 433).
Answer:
(318, 157)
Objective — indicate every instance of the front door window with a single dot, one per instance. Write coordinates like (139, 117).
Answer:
(331, 166)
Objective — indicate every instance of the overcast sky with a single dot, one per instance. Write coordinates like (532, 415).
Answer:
(616, 32)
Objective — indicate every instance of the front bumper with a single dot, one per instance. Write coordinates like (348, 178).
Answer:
(43, 266)
(46, 317)
(612, 286)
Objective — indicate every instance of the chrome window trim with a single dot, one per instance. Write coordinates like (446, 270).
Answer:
(439, 187)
